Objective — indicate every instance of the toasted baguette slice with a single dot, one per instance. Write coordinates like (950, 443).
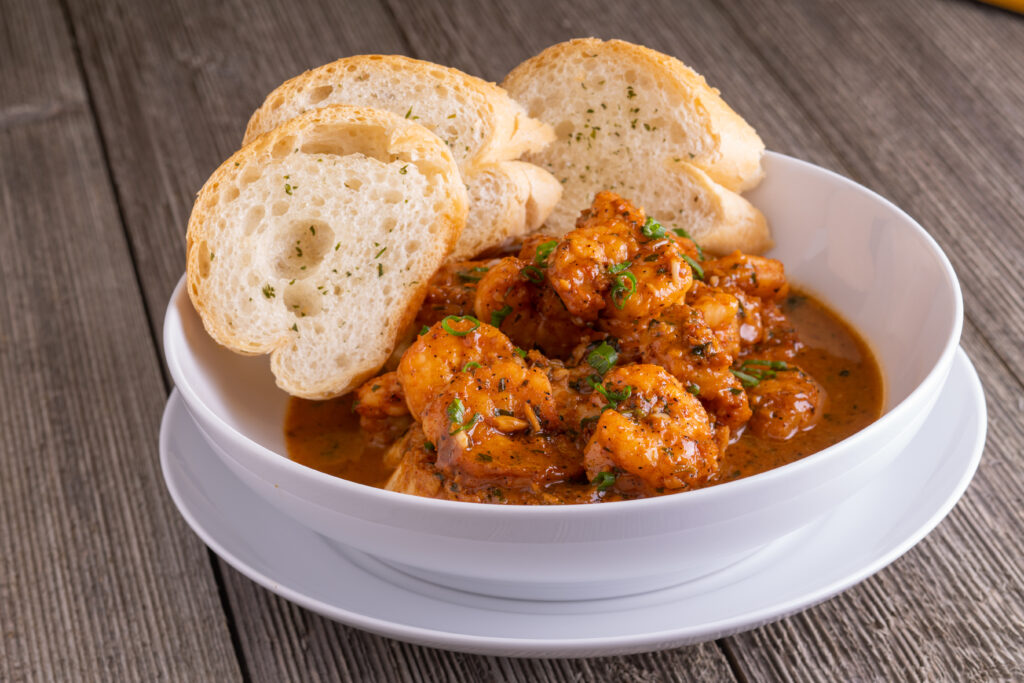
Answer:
(507, 200)
(479, 122)
(315, 242)
(642, 124)
(623, 99)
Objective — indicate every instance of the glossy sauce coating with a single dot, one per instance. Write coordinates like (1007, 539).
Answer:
(325, 435)
(618, 361)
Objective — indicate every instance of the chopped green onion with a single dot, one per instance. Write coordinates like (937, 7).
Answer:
(471, 365)
(498, 316)
(456, 411)
(519, 352)
(773, 364)
(747, 379)
(603, 358)
(698, 272)
(458, 319)
(424, 330)
(613, 397)
(619, 267)
(623, 284)
(694, 389)
(683, 233)
(533, 274)
(652, 229)
(700, 349)
(603, 480)
(543, 251)
(468, 276)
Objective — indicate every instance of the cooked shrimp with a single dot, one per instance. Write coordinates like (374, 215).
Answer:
(721, 312)
(606, 236)
(444, 350)
(495, 425)
(383, 413)
(757, 275)
(514, 297)
(681, 341)
(785, 404)
(653, 436)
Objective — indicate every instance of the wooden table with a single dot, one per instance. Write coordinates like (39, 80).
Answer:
(111, 117)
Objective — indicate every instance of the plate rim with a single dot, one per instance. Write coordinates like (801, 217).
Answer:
(591, 645)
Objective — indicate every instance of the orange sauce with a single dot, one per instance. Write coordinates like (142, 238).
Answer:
(325, 435)
(841, 362)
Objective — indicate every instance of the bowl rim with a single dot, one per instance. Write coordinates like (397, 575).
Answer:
(503, 511)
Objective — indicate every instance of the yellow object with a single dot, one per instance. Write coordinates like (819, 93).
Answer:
(1012, 5)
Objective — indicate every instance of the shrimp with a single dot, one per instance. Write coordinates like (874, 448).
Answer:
(756, 275)
(721, 311)
(445, 349)
(383, 413)
(496, 426)
(606, 236)
(514, 297)
(682, 342)
(785, 403)
(653, 435)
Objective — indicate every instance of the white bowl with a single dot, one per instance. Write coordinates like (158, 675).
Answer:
(857, 251)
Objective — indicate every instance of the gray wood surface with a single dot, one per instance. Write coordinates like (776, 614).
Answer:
(99, 577)
(125, 110)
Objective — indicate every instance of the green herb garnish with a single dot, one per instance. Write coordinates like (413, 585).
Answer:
(623, 283)
(471, 365)
(543, 251)
(603, 480)
(533, 274)
(698, 272)
(498, 316)
(652, 229)
(683, 233)
(446, 323)
(613, 397)
(468, 275)
(603, 358)
(751, 372)
(456, 414)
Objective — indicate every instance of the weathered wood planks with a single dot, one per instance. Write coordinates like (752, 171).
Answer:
(99, 577)
(921, 101)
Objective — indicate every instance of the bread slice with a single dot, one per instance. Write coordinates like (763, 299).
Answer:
(315, 242)
(479, 122)
(642, 124)
(507, 200)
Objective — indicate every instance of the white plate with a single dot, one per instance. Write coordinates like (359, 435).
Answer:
(871, 530)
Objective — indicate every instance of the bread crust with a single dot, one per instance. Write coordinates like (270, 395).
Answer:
(509, 130)
(404, 141)
(730, 151)
(527, 195)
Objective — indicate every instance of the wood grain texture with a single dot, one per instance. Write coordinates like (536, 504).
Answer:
(953, 606)
(921, 101)
(98, 574)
